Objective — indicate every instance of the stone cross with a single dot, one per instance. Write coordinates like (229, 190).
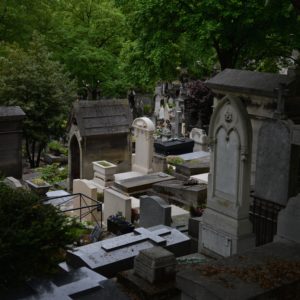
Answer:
(142, 234)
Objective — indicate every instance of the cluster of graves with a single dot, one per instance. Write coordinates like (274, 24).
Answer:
(245, 175)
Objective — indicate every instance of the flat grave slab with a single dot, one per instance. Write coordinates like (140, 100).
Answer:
(194, 155)
(201, 178)
(176, 191)
(126, 175)
(111, 256)
(194, 167)
(260, 273)
(141, 183)
(81, 283)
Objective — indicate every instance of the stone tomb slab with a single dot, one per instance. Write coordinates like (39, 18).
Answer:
(176, 191)
(76, 283)
(141, 183)
(111, 256)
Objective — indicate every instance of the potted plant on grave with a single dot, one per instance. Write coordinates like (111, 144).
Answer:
(39, 186)
(104, 168)
(117, 224)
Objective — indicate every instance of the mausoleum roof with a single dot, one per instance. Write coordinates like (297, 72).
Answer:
(101, 117)
(11, 112)
(248, 82)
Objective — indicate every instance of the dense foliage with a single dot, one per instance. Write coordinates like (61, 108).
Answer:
(32, 236)
(40, 86)
(111, 45)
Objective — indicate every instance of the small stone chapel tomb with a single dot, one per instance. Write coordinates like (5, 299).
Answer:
(143, 133)
(99, 130)
(11, 118)
(226, 229)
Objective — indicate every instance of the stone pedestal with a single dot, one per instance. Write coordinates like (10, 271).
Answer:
(155, 264)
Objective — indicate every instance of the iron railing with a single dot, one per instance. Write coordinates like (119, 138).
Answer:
(263, 215)
(84, 208)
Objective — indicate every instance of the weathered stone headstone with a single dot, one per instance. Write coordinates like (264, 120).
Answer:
(155, 264)
(113, 255)
(115, 202)
(143, 132)
(200, 138)
(276, 164)
(154, 211)
(226, 228)
(13, 182)
(288, 224)
(11, 118)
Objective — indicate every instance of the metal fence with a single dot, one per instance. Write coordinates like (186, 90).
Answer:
(264, 215)
(84, 208)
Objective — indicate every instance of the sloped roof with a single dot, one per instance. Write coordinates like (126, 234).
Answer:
(248, 82)
(102, 117)
(11, 113)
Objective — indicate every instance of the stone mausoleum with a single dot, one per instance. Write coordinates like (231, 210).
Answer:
(98, 130)
(11, 118)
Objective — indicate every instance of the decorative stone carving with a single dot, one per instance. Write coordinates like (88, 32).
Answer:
(226, 228)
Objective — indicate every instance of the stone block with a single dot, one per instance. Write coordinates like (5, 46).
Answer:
(155, 264)
(193, 228)
(13, 182)
(154, 211)
(115, 202)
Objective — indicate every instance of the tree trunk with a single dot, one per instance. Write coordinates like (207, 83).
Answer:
(40, 149)
(32, 164)
(31, 161)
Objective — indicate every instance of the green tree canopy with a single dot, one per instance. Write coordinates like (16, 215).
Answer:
(40, 86)
(254, 34)
(88, 38)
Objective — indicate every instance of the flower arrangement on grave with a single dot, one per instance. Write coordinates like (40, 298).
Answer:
(117, 224)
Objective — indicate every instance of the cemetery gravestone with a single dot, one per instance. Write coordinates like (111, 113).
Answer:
(115, 202)
(226, 228)
(13, 182)
(276, 164)
(117, 254)
(200, 138)
(143, 132)
(154, 211)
